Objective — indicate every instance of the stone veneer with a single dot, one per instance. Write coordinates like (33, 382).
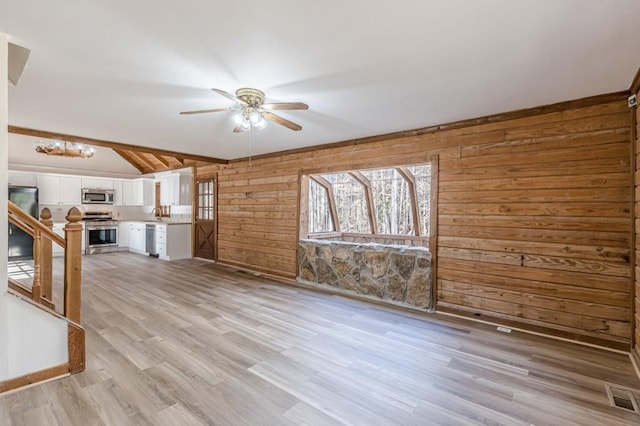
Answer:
(398, 274)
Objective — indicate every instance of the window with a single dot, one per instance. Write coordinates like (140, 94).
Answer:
(387, 201)
(319, 213)
(422, 175)
(351, 203)
(392, 201)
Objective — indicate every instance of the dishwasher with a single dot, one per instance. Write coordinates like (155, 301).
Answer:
(150, 234)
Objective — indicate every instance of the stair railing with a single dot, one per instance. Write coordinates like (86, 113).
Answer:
(43, 237)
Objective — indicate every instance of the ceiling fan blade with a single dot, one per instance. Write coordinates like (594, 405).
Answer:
(282, 121)
(207, 110)
(285, 105)
(229, 96)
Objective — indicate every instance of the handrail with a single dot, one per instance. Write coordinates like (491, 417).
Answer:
(40, 292)
(41, 286)
(29, 224)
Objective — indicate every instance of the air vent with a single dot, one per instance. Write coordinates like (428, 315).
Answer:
(622, 398)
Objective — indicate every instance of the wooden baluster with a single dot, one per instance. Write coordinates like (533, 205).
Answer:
(36, 291)
(73, 266)
(46, 270)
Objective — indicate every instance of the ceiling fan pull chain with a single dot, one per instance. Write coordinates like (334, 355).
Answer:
(250, 144)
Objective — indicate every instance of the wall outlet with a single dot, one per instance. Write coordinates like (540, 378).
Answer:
(632, 101)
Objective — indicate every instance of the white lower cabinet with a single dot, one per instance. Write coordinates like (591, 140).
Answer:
(123, 234)
(173, 241)
(137, 237)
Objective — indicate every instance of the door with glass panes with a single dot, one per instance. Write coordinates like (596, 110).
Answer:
(205, 221)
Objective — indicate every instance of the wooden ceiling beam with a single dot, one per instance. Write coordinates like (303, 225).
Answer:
(129, 159)
(161, 159)
(136, 161)
(180, 156)
(142, 160)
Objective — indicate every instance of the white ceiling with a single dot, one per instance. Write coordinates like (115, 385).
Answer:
(122, 70)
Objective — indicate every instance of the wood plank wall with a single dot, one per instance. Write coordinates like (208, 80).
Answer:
(534, 214)
(636, 123)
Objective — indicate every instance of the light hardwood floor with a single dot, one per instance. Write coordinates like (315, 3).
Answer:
(190, 342)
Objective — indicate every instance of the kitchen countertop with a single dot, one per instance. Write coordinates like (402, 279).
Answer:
(153, 222)
(159, 222)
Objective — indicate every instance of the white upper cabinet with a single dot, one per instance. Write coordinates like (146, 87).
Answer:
(66, 189)
(49, 189)
(53, 189)
(118, 193)
(97, 183)
(70, 190)
(186, 182)
(21, 179)
(138, 192)
(175, 189)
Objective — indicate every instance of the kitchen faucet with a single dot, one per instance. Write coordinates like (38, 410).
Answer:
(156, 210)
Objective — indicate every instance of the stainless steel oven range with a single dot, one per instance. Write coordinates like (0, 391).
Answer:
(101, 232)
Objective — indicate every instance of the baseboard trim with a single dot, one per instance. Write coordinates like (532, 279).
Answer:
(619, 347)
(47, 374)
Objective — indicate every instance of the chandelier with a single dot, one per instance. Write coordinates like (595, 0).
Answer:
(65, 149)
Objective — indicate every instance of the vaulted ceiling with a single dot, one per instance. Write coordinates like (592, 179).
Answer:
(144, 159)
(121, 71)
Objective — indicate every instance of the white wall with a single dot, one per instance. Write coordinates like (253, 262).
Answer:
(3, 196)
(30, 339)
(4, 121)
(36, 340)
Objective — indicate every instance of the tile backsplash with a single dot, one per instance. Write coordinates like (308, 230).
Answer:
(59, 212)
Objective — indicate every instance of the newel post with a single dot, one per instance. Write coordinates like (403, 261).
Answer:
(73, 266)
(46, 271)
(36, 289)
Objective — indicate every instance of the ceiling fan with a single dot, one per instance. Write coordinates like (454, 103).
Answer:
(252, 111)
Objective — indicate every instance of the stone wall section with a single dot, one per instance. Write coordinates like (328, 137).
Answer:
(398, 274)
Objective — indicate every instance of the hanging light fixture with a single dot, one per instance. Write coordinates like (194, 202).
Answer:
(65, 149)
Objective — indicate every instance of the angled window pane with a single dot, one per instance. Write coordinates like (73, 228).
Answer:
(422, 175)
(351, 203)
(319, 212)
(392, 201)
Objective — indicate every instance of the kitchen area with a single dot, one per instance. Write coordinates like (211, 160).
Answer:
(148, 215)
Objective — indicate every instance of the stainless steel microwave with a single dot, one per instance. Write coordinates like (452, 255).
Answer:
(97, 196)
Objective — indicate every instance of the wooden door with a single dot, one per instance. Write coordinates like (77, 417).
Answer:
(205, 222)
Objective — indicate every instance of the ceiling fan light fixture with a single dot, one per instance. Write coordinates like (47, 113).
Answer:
(257, 120)
(262, 123)
(253, 112)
